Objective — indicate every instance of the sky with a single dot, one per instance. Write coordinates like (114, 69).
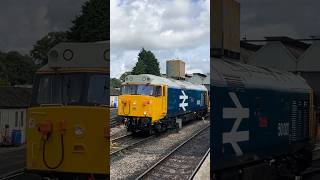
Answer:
(23, 22)
(294, 18)
(171, 29)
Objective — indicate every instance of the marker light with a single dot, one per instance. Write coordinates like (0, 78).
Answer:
(146, 102)
(78, 131)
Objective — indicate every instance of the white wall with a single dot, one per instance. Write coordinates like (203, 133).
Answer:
(16, 119)
(113, 99)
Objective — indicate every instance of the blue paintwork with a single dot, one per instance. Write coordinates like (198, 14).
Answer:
(193, 96)
(264, 142)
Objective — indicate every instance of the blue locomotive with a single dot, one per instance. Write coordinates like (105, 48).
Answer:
(151, 103)
(259, 116)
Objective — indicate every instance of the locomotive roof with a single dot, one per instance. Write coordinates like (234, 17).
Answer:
(156, 80)
(235, 74)
(78, 55)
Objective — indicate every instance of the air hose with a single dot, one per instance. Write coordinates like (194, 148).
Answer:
(62, 154)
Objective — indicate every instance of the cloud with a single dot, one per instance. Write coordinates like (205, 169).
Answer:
(169, 28)
(23, 22)
(294, 18)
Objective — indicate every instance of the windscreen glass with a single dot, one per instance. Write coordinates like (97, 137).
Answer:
(141, 89)
(72, 88)
(98, 89)
(60, 89)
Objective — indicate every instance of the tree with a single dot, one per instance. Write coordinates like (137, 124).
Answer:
(147, 64)
(19, 69)
(91, 25)
(124, 75)
(41, 48)
(3, 72)
(115, 83)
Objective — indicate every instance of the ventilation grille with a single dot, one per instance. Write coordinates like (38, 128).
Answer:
(299, 120)
(233, 81)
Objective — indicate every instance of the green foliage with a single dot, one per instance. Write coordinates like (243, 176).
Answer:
(3, 72)
(41, 48)
(147, 64)
(91, 25)
(124, 75)
(115, 83)
(4, 82)
(16, 69)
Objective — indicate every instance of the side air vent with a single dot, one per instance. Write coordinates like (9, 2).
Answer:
(233, 81)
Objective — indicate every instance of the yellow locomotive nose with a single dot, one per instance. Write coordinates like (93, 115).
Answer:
(146, 102)
(135, 106)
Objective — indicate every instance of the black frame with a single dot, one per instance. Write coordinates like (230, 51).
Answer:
(84, 91)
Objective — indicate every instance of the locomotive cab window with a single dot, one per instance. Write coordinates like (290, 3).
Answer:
(141, 89)
(98, 89)
(158, 91)
(70, 88)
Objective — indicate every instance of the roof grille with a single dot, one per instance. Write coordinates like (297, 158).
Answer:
(233, 81)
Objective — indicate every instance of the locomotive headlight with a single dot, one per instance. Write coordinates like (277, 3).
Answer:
(145, 113)
(134, 103)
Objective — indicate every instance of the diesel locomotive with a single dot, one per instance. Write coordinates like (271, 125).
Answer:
(149, 103)
(68, 121)
(263, 121)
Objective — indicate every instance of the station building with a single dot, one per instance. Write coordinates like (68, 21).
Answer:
(287, 54)
(199, 78)
(114, 95)
(14, 102)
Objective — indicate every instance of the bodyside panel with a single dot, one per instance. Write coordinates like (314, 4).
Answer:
(183, 101)
(252, 124)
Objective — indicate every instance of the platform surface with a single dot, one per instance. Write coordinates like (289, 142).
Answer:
(204, 171)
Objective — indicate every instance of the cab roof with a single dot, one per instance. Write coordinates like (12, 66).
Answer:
(156, 80)
(69, 55)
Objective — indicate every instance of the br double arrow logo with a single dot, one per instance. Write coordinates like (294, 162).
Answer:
(239, 113)
(184, 97)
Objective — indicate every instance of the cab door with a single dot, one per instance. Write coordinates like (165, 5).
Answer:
(164, 100)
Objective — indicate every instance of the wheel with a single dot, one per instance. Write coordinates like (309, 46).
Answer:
(148, 131)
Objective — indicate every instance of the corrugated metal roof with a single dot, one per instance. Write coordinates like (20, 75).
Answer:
(274, 55)
(310, 61)
(114, 92)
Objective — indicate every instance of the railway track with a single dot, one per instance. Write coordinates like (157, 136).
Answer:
(126, 142)
(115, 121)
(183, 161)
(12, 174)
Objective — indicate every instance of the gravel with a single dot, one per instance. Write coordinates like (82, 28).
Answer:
(183, 161)
(118, 131)
(131, 163)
